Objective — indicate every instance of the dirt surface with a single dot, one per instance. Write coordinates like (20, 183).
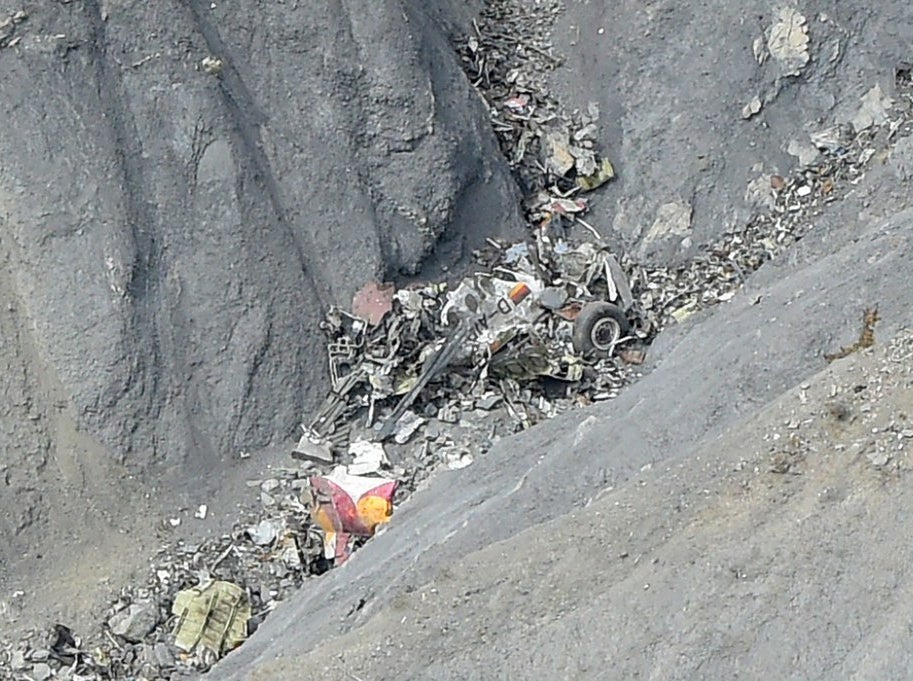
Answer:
(745, 558)
(491, 573)
(671, 80)
(765, 342)
(178, 204)
(172, 231)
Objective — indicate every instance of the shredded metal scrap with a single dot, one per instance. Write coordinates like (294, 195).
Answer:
(241, 576)
(554, 155)
(440, 350)
(462, 413)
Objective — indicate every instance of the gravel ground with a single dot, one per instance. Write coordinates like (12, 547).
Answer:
(775, 549)
(704, 523)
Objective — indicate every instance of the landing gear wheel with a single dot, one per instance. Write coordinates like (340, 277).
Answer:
(598, 327)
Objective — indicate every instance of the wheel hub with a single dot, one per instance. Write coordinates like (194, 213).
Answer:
(605, 334)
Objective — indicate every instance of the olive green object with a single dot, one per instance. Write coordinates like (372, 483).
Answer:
(212, 616)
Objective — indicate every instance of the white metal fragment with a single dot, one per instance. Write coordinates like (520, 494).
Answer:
(408, 424)
(370, 457)
(458, 460)
(266, 531)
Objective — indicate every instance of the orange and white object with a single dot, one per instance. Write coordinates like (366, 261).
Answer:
(349, 505)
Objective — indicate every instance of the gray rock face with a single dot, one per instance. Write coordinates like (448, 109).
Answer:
(672, 83)
(707, 378)
(170, 233)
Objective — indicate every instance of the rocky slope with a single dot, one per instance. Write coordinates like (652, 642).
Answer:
(184, 187)
(560, 552)
(774, 549)
(522, 504)
(673, 80)
(179, 201)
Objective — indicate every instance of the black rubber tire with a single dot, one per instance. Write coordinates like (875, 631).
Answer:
(598, 327)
